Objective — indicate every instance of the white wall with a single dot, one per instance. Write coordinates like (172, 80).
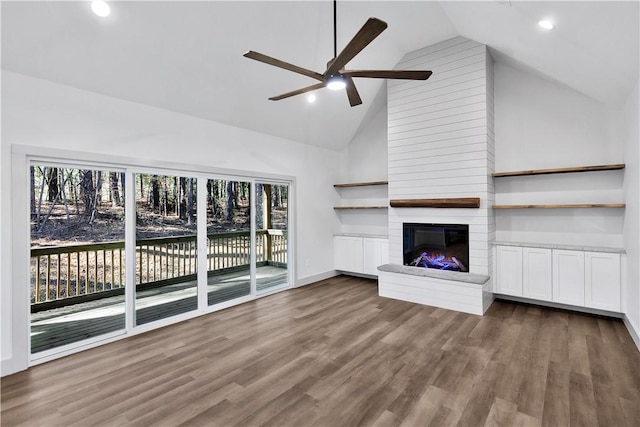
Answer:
(627, 127)
(366, 154)
(43, 114)
(542, 124)
(365, 160)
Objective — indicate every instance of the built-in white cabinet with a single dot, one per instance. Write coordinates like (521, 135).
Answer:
(536, 273)
(509, 270)
(568, 277)
(360, 254)
(573, 277)
(602, 281)
(347, 253)
(376, 253)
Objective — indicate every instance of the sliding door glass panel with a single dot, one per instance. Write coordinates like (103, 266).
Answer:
(272, 219)
(228, 240)
(77, 255)
(166, 247)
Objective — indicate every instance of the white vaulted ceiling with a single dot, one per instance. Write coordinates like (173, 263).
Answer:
(187, 56)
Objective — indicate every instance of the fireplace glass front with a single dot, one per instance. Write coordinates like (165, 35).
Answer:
(438, 246)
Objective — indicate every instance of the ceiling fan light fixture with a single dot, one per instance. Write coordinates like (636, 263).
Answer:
(336, 82)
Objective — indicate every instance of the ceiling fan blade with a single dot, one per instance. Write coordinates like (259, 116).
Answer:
(281, 64)
(388, 74)
(297, 92)
(352, 92)
(369, 31)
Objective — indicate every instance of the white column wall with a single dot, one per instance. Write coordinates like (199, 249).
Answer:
(441, 143)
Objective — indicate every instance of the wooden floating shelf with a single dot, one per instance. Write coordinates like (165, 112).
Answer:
(565, 206)
(462, 202)
(344, 208)
(561, 170)
(360, 184)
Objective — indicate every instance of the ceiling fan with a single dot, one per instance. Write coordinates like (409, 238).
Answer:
(335, 76)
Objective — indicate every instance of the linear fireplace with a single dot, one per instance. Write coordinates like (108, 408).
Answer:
(437, 246)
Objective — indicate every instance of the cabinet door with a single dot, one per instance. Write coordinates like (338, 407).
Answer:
(376, 252)
(347, 253)
(568, 277)
(536, 273)
(384, 252)
(509, 270)
(602, 280)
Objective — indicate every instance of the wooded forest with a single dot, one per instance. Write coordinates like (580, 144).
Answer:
(82, 205)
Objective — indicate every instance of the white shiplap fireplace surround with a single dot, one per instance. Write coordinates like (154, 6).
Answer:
(441, 145)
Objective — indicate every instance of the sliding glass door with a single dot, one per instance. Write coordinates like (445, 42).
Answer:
(272, 245)
(166, 247)
(190, 242)
(228, 240)
(77, 254)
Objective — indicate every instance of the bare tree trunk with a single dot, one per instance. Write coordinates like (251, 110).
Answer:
(52, 182)
(98, 197)
(277, 196)
(113, 176)
(181, 202)
(88, 192)
(230, 200)
(122, 182)
(141, 186)
(32, 191)
(39, 211)
(64, 195)
(165, 194)
(98, 187)
(259, 207)
(190, 217)
(74, 190)
(155, 192)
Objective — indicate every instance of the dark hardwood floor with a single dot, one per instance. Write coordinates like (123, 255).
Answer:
(335, 354)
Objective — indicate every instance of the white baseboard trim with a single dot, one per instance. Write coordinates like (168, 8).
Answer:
(634, 334)
(316, 278)
(552, 304)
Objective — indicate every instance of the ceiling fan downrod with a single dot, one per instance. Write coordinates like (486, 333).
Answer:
(335, 30)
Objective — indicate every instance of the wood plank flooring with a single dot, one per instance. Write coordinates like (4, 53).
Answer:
(335, 354)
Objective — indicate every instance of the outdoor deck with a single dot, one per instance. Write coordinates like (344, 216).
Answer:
(72, 323)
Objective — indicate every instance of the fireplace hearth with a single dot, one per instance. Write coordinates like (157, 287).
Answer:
(436, 246)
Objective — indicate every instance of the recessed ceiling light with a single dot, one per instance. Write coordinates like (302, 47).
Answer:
(100, 8)
(545, 24)
(311, 98)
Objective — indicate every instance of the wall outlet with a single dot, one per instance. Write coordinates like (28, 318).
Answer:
(308, 262)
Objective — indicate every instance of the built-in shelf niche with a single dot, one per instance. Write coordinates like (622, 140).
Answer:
(360, 184)
(575, 169)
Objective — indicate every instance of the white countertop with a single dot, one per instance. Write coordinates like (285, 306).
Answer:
(565, 247)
